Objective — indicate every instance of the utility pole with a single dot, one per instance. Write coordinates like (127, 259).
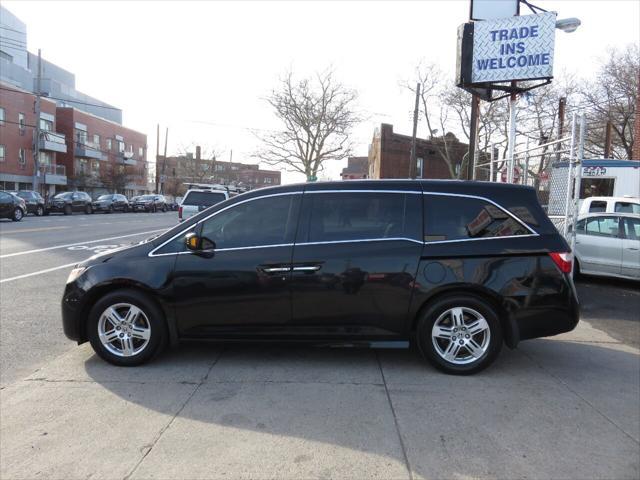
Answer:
(562, 103)
(473, 134)
(36, 147)
(513, 103)
(164, 160)
(608, 139)
(412, 157)
(158, 159)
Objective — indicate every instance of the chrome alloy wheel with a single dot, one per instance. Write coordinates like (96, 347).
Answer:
(461, 335)
(124, 329)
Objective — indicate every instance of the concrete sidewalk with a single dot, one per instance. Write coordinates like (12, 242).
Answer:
(567, 407)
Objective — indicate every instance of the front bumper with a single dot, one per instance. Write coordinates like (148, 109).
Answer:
(56, 207)
(142, 207)
(98, 207)
(72, 306)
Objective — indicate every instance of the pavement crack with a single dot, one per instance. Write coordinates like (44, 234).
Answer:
(149, 447)
(395, 419)
(577, 394)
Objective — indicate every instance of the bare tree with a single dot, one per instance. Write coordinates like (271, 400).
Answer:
(317, 116)
(114, 178)
(612, 96)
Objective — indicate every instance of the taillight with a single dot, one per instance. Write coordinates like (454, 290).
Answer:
(180, 212)
(562, 260)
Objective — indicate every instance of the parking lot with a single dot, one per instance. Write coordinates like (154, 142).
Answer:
(564, 407)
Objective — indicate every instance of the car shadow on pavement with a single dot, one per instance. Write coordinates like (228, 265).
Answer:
(551, 409)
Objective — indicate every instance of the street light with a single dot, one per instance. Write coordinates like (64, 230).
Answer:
(568, 25)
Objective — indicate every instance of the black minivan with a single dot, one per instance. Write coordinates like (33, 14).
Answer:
(457, 268)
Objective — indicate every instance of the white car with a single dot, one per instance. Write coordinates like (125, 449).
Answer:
(196, 200)
(608, 244)
(610, 205)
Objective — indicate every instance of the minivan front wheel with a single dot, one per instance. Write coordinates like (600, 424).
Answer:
(460, 334)
(125, 328)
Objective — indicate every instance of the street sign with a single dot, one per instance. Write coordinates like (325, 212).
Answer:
(504, 175)
(513, 48)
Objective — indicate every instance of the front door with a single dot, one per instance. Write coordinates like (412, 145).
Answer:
(242, 286)
(6, 204)
(355, 261)
(600, 245)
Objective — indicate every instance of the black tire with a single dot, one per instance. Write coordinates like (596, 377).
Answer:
(110, 209)
(157, 339)
(88, 209)
(39, 211)
(125, 209)
(17, 214)
(576, 269)
(164, 208)
(471, 303)
(68, 210)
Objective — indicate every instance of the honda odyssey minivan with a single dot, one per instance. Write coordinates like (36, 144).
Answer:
(457, 268)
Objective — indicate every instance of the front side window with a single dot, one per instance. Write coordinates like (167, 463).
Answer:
(362, 216)
(462, 218)
(602, 226)
(261, 222)
(627, 207)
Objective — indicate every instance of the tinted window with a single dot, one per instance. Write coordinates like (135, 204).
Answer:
(203, 198)
(24, 195)
(64, 195)
(265, 221)
(602, 226)
(459, 218)
(359, 216)
(627, 207)
(104, 197)
(632, 228)
(598, 206)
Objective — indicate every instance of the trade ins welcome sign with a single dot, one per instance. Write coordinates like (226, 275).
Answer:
(513, 48)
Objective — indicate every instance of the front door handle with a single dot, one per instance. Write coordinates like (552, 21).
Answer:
(307, 268)
(276, 269)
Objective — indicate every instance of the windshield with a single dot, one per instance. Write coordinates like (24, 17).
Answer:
(63, 195)
(147, 197)
(203, 198)
(104, 197)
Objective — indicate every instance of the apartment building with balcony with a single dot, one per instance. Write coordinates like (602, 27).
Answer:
(102, 156)
(18, 143)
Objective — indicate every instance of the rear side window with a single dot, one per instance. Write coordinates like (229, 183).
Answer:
(632, 228)
(627, 207)
(602, 226)
(462, 218)
(203, 198)
(598, 206)
(363, 216)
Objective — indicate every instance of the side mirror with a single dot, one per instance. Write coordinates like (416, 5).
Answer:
(198, 244)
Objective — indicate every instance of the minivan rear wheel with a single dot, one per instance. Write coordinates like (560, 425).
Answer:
(460, 334)
(126, 328)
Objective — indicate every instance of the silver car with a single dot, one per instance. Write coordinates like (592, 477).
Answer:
(608, 244)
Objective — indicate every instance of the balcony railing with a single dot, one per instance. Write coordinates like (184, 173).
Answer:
(52, 142)
(54, 174)
(87, 149)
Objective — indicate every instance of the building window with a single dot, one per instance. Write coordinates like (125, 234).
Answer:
(121, 146)
(96, 139)
(108, 144)
(81, 137)
(46, 125)
(141, 151)
(268, 180)
(22, 158)
(21, 123)
(1, 153)
(45, 158)
(1, 116)
(419, 167)
(95, 166)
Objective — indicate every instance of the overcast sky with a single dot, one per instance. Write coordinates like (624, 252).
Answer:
(203, 68)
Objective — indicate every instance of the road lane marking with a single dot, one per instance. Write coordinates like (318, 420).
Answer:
(27, 252)
(28, 230)
(40, 272)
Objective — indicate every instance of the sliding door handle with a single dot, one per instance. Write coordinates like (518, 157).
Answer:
(307, 268)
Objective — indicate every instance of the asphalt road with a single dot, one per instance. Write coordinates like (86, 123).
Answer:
(36, 256)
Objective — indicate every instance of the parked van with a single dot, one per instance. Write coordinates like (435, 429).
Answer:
(196, 200)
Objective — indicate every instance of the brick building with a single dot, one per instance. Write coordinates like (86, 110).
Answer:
(357, 167)
(179, 170)
(389, 155)
(102, 156)
(17, 142)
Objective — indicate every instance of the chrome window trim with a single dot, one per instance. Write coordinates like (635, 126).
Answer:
(480, 238)
(395, 239)
(414, 192)
(478, 197)
(182, 232)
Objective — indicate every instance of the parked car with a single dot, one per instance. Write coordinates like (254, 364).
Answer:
(34, 201)
(69, 202)
(196, 200)
(149, 203)
(113, 202)
(12, 206)
(608, 245)
(610, 205)
(337, 262)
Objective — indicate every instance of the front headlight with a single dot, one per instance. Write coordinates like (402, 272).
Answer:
(75, 273)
